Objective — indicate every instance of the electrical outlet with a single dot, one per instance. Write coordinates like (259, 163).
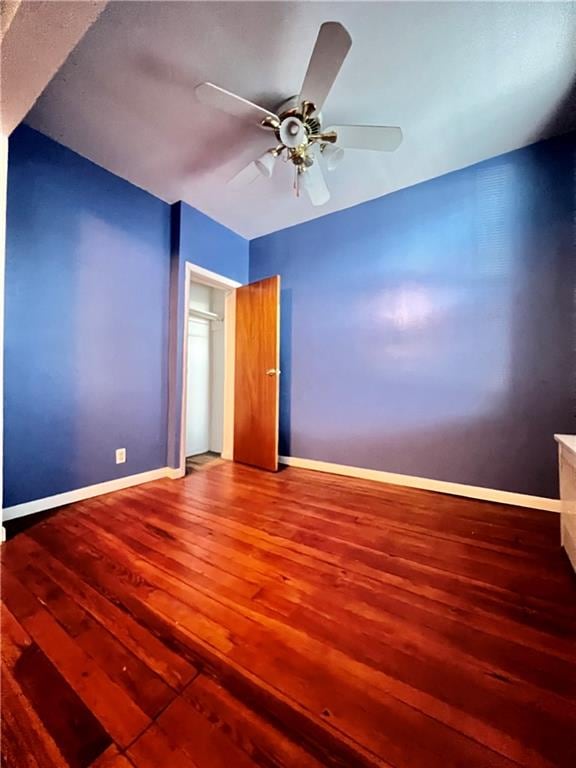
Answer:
(120, 455)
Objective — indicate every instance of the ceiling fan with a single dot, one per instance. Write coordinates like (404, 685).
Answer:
(297, 123)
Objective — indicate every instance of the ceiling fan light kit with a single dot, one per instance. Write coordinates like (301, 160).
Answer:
(266, 162)
(297, 123)
(332, 155)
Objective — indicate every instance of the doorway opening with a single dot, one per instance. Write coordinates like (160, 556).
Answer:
(215, 416)
(204, 376)
(208, 371)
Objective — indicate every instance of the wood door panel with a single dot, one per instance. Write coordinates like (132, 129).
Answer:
(256, 393)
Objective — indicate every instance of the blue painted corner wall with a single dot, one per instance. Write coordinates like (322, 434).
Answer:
(92, 267)
(211, 245)
(199, 240)
(86, 329)
(430, 332)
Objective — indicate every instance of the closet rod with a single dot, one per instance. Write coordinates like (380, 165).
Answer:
(204, 314)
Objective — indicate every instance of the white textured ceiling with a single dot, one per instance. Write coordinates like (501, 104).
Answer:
(465, 81)
(35, 39)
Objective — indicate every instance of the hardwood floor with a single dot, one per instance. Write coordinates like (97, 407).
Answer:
(241, 618)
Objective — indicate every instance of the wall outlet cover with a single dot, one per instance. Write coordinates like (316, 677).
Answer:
(120, 455)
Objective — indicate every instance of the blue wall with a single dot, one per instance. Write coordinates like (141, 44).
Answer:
(431, 332)
(86, 360)
(200, 240)
(94, 318)
(208, 244)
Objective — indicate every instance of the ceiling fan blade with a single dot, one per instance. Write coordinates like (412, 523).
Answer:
(225, 101)
(244, 177)
(314, 184)
(382, 138)
(331, 48)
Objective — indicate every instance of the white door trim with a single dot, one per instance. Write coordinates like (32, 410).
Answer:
(207, 277)
(214, 280)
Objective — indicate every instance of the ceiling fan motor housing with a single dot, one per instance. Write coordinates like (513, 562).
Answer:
(292, 132)
(313, 125)
(292, 108)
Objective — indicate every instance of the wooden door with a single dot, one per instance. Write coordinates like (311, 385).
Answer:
(256, 387)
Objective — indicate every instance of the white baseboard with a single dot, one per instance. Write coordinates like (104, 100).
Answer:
(80, 494)
(455, 489)
(175, 473)
(425, 484)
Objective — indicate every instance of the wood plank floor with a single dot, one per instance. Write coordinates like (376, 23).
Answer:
(240, 618)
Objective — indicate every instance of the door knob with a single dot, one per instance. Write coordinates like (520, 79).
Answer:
(273, 372)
